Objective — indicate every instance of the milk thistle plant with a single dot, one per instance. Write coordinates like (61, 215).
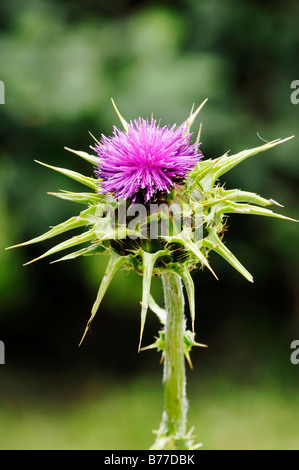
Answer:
(156, 206)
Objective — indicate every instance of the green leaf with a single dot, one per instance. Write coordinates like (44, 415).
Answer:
(189, 286)
(235, 208)
(214, 243)
(115, 262)
(91, 182)
(188, 244)
(94, 249)
(159, 344)
(202, 169)
(85, 237)
(237, 195)
(83, 198)
(246, 196)
(90, 158)
(74, 222)
(188, 123)
(159, 311)
(122, 120)
(226, 163)
(149, 260)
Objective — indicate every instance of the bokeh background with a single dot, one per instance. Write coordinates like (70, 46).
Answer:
(61, 62)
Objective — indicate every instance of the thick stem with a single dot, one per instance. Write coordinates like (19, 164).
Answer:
(174, 360)
(172, 432)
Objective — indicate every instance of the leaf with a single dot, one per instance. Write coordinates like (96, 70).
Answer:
(230, 161)
(226, 163)
(149, 260)
(214, 243)
(198, 137)
(83, 198)
(200, 170)
(85, 237)
(94, 249)
(122, 120)
(91, 182)
(159, 311)
(235, 208)
(189, 286)
(246, 196)
(70, 224)
(237, 195)
(188, 123)
(115, 262)
(90, 158)
(185, 240)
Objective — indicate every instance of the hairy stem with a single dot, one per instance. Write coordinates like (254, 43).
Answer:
(172, 431)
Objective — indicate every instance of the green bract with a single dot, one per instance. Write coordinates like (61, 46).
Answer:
(179, 251)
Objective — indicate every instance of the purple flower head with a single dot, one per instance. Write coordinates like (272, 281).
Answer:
(145, 160)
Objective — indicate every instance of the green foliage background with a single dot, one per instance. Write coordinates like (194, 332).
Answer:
(61, 62)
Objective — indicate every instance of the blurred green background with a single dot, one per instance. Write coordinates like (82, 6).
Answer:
(61, 62)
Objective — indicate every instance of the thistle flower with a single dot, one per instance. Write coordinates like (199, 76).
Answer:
(145, 160)
(151, 160)
(151, 163)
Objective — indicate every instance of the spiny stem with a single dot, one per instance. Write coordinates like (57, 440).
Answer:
(174, 360)
(172, 431)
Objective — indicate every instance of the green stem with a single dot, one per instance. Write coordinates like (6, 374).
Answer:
(172, 431)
